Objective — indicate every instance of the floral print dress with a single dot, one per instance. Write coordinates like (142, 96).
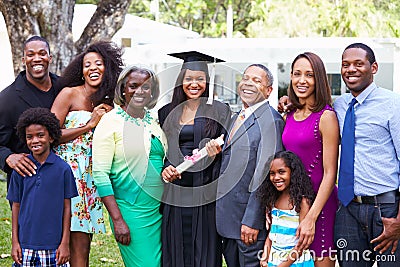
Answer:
(86, 208)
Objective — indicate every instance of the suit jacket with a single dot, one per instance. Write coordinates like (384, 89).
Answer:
(14, 100)
(244, 167)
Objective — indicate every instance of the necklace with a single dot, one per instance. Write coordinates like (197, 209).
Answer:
(138, 121)
(87, 95)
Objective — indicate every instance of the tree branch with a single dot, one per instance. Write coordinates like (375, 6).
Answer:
(105, 22)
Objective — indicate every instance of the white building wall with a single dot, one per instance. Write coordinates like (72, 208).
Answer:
(150, 47)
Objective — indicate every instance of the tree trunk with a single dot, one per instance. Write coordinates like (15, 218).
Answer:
(105, 22)
(52, 19)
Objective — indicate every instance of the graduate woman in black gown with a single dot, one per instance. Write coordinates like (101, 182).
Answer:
(189, 235)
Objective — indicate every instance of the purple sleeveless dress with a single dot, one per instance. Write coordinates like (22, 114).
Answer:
(304, 139)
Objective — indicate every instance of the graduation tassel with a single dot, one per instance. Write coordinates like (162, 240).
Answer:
(211, 85)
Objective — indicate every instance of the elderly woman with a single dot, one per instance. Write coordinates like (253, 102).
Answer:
(128, 153)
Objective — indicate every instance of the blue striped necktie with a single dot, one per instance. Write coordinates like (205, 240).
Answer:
(346, 170)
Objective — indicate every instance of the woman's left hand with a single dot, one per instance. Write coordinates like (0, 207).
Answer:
(121, 232)
(97, 113)
(305, 233)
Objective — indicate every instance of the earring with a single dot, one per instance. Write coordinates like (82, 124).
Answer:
(123, 93)
(83, 78)
(151, 96)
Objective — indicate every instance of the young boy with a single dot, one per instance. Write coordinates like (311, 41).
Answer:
(41, 210)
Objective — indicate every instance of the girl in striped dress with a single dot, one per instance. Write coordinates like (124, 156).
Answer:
(288, 195)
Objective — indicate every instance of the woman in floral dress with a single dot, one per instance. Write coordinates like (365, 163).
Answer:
(88, 85)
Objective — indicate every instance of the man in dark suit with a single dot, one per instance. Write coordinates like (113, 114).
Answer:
(33, 87)
(254, 136)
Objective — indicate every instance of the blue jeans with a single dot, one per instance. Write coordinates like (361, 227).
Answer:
(355, 226)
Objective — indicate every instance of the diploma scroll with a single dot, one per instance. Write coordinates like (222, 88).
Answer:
(189, 161)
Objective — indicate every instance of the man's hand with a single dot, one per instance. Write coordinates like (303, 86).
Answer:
(248, 235)
(21, 164)
(213, 148)
(390, 235)
(284, 104)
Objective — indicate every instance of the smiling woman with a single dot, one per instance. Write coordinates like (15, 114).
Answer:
(187, 121)
(128, 153)
(89, 82)
(312, 132)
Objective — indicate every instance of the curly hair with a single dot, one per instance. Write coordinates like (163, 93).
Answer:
(300, 183)
(41, 116)
(113, 64)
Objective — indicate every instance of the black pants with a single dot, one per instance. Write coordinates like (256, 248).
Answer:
(236, 253)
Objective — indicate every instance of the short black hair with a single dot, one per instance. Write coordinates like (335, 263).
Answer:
(41, 116)
(270, 77)
(36, 38)
(366, 48)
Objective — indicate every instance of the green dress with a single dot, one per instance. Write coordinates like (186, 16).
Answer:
(143, 217)
(128, 156)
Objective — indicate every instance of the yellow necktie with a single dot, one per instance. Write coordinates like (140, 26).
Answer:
(238, 123)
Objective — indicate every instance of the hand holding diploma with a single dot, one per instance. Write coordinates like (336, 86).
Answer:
(212, 148)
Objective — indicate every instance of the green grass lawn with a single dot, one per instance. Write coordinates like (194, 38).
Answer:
(104, 251)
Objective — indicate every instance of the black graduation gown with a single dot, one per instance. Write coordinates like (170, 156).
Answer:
(206, 247)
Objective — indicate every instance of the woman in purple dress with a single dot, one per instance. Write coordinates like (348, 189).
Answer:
(312, 132)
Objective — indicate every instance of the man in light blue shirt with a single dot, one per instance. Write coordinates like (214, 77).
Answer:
(368, 228)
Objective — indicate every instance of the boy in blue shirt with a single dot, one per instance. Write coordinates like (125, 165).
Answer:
(41, 211)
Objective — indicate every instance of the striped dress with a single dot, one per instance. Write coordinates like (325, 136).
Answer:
(283, 237)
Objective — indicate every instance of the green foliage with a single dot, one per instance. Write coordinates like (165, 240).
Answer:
(141, 9)
(95, 2)
(280, 18)
(204, 16)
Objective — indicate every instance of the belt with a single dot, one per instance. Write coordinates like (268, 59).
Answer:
(384, 198)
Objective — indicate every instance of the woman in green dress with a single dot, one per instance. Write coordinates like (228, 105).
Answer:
(128, 153)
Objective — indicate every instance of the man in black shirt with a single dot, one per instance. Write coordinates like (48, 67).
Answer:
(33, 87)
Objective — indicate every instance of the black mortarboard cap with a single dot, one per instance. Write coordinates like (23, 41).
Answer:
(194, 60)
